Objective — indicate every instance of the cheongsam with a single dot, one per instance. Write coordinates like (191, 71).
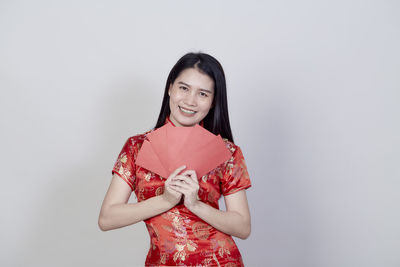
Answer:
(178, 237)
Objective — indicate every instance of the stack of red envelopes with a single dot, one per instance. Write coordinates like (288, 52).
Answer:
(170, 147)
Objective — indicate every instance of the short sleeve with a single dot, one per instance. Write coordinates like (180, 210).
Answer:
(124, 167)
(235, 176)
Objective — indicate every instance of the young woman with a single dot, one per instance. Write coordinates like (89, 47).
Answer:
(181, 211)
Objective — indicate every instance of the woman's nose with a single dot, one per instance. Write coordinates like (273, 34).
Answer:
(190, 99)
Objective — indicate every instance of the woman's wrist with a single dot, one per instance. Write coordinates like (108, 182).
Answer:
(194, 206)
(170, 203)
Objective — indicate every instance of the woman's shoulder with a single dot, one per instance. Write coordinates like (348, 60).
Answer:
(138, 139)
(230, 145)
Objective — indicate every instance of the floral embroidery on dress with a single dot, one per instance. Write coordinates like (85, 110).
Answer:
(179, 237)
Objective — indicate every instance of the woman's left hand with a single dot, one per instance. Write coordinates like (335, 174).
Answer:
(187, 184)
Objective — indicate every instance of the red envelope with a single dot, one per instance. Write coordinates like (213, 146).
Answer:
(169, 147)
(148, 159)
(176, 138)
(159, 145)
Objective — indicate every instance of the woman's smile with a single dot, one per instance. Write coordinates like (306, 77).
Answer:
(187, 112)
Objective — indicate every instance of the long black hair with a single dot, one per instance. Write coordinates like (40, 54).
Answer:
(217, 119)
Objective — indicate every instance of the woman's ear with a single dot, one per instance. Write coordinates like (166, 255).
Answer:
(169, 89)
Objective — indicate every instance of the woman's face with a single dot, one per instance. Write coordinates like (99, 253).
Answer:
(190, 97)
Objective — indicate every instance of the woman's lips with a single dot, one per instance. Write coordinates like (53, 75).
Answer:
(187, 112)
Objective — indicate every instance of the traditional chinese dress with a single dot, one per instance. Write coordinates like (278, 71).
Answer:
(178, 237)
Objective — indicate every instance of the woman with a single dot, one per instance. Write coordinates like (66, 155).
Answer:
(181, 212)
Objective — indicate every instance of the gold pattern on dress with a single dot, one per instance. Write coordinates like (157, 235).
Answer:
(159, 190)
(124, 159)
(167, 227)
(156, 233)
(180, 253)
(244, 168)
(179, 228)
(168, 246)
(204, 178)
(191, 245)
(165, 215)
(141, 194)
(237, 172)
(164, 257)
(121, 170)
(147, 176)
(207, 261)
(230, 166)
(222, 250)
(201, 230)
(215, 258)
(179, 247)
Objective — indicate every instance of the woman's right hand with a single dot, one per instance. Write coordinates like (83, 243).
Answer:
(171, 195)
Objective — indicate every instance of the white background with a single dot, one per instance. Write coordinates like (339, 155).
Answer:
(313, 89)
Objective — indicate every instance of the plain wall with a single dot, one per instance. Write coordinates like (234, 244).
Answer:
(313, 91)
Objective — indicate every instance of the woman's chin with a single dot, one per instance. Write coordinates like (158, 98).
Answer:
(187, 122)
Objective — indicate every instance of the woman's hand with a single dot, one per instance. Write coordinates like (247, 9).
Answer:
(170, 194)
(187, 184)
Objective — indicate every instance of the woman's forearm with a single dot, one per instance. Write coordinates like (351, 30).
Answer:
(124, 214)
(229, 222)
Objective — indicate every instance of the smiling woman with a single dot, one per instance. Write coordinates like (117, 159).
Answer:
(181, 211)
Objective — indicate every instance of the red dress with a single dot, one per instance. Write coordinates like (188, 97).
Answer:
(178, 237)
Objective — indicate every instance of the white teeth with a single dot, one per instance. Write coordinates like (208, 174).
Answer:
(187, 111)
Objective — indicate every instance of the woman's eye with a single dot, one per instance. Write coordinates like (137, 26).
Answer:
(183, 88)
(203, 94)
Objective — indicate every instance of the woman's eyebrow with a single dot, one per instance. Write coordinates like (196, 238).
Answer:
(184, 84)
(208, 91)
